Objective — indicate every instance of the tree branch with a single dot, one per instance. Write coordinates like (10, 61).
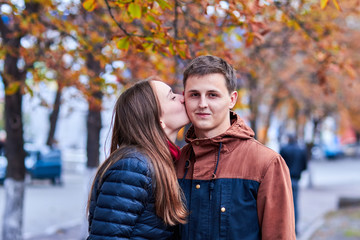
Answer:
(292, 16)
(176, 20)
(54, 27)
(196, 20)
(118, 24)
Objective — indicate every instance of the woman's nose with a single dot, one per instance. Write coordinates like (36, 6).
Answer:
(181, 98)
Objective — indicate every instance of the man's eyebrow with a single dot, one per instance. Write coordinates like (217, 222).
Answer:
(211, 90)
(169, 93)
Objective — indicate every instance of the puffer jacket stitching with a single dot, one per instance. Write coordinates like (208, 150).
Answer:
(145, 203)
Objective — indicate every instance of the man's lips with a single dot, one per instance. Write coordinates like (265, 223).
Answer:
(202, 114)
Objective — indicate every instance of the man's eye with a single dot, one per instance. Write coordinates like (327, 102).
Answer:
(194, 94)
(213, 95)
(173, 98)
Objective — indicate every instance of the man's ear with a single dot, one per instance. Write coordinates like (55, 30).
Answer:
(163, 125)
(233, 99)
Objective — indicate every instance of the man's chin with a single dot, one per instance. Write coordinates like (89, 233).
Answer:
(201, 127)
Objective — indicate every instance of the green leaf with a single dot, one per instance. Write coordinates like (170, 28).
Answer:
(123, 1)
(123, 43)
(163, 4)
(89, 5)
(171, 49)
(148, 45)
(182, 54)
(134, 10)
(152, 19)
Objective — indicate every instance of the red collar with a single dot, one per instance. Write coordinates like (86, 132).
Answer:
(174, 151)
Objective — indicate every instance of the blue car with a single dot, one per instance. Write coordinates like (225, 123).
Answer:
(44, 165)
(3, 165)
(39, 164)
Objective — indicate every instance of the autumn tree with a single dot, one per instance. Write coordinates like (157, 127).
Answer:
(278, 47)
(30, 47)
(13, 28)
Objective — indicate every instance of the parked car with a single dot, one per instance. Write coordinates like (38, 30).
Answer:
(44, 164)
(3, 165)
(39, 163)
(323, 151)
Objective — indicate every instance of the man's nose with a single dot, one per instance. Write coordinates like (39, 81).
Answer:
(203, 102)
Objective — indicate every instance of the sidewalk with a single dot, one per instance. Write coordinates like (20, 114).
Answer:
(330, 181)
(343, 224)
(321, 188)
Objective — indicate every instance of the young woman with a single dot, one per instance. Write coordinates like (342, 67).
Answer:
(135, 194)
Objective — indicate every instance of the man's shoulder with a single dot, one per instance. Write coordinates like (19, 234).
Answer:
(257, 149)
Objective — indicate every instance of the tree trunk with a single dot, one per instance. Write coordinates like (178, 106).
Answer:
(14, 144)
(94, 114)
(93, 138)
(253, 105)
(270, 112)
(309, 146)
(13, 212)
(13, 80)
(54, 117)
(15, 154)
(93, 132)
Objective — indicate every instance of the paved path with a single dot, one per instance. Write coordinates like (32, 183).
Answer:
(328, 181)
(55, 212)
(48, 208)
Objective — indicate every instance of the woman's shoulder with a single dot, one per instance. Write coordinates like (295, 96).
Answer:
(133, 161)
(132, 169)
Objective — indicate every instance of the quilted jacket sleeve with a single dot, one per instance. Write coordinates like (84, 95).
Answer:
(120, 200)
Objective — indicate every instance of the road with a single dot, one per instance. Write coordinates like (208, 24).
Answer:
(51, 209)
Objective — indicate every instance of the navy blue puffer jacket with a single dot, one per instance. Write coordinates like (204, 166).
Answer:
(123, 207)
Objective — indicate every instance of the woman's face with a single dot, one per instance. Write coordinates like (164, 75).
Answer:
(173, 116)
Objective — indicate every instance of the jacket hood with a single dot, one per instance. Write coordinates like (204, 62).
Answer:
(237, 130)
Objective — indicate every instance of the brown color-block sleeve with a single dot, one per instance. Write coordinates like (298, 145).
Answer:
(275, 202)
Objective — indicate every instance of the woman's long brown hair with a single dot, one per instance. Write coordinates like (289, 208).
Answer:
(136, 125)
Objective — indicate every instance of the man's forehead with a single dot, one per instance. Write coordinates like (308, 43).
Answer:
(210, 82)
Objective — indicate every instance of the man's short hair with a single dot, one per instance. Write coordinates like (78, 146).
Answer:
(292, 138)
(204, 65)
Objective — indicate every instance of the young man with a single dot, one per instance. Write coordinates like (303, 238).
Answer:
(235, 187)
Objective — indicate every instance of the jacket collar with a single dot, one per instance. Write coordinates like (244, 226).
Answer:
(238, 130)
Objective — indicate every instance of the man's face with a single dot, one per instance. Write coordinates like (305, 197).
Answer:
(207, 102)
